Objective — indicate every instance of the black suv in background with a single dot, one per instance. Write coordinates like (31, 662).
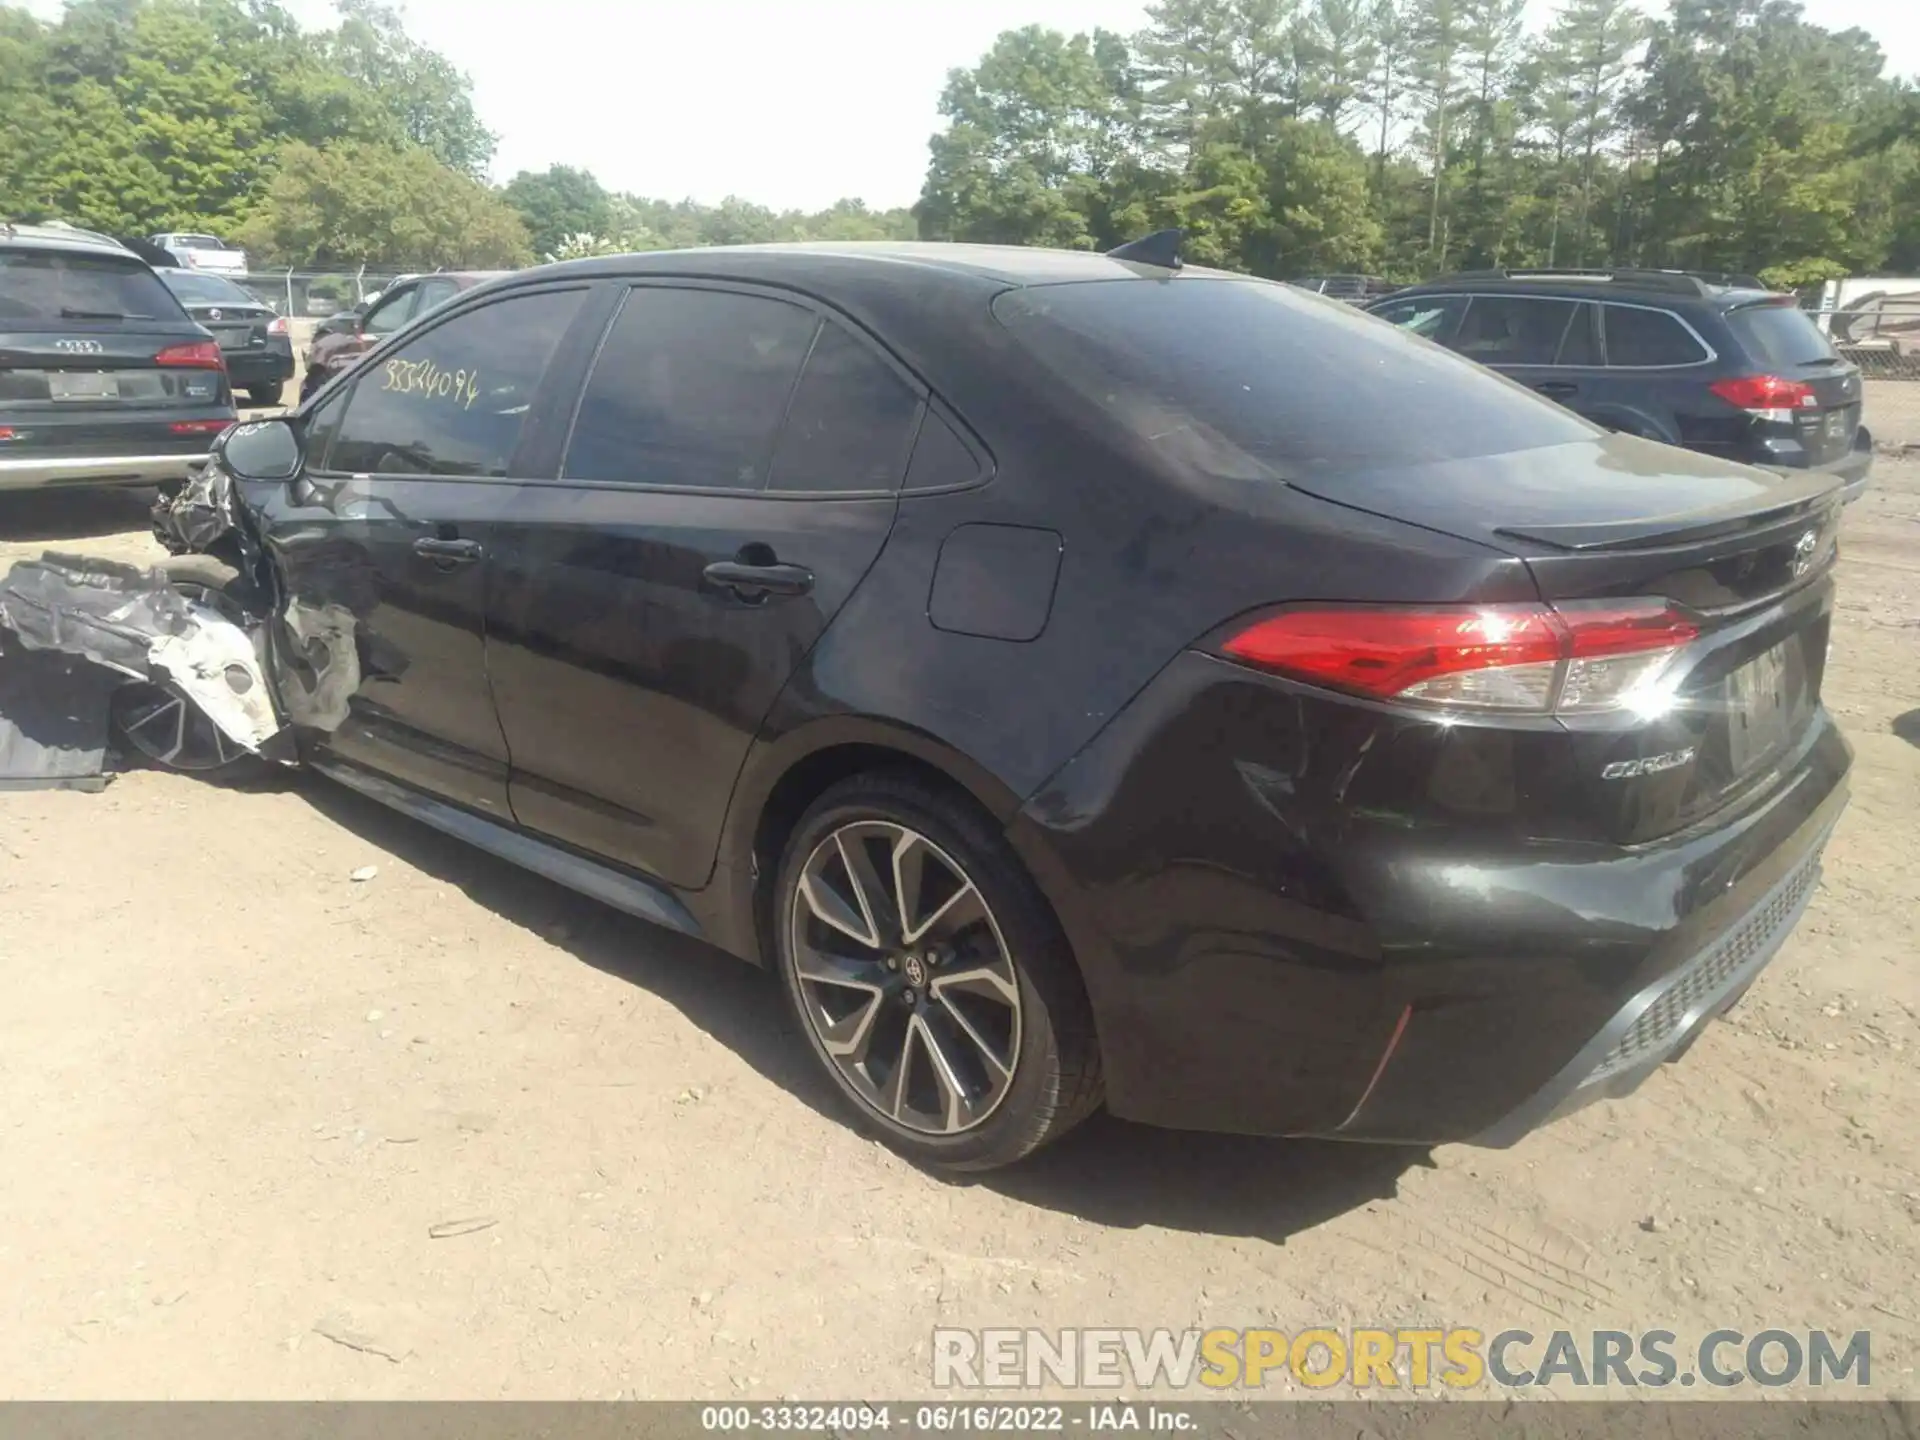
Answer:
(104, 378)
(1714, 363)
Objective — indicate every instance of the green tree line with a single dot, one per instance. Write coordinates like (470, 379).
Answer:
(353, 145)
(1409, 137)
(1400, 137)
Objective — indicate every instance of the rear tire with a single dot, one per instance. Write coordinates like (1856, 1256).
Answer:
(957, 1030)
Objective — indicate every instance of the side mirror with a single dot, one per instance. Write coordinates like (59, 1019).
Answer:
(260, 450)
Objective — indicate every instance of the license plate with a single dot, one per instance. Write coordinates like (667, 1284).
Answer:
(1756, 708)
(234, 339)
(81, 385)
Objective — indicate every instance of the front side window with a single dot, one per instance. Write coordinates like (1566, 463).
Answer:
(453, 401)
(392, 312)
(690, 389)
(1431, 317)
(1637, 338)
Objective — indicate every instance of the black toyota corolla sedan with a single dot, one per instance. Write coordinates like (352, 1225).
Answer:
(1081, 679)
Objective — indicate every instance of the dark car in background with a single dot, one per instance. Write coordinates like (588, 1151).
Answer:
(253, 337)
(104, 377)
(1034, 664)
(1710, 362)
(343, 339)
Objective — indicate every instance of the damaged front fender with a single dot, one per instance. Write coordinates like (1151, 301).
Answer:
(206, 517)
(136, 623)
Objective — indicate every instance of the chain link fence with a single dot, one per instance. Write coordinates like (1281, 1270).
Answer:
(316, 294)
(1880, 334)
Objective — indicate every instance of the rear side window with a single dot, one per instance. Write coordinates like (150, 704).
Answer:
(940, 457)
(850, 421)
(453, 401)
(42, 288)
(1637, 338)
(689, 389)
(1249, 380)
(1782, 336)
(1513, 329)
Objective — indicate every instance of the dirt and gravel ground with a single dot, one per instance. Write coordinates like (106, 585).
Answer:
(266, 1131)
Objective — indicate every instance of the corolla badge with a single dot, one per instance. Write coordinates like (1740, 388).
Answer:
(213, 314)
(1803, 549)
(1651, 765)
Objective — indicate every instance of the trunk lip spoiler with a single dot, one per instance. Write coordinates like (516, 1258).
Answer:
(1805, 492)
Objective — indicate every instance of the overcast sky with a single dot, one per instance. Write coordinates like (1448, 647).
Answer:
(792, 103)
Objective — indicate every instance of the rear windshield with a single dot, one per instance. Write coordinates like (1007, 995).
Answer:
(49, 287)
(206, 289)
(1782, 335)
(1254, 381)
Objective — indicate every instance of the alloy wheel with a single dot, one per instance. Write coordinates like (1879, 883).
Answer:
(165, 727)
(904, 978)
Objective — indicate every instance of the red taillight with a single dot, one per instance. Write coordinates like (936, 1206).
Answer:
(277, 325)
(199, 427)
(1523, 658)
(1767, 395)
(200, 355)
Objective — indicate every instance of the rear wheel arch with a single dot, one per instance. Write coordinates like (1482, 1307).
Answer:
(779, 790)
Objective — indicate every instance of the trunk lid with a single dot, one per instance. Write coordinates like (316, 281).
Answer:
(1749, 552)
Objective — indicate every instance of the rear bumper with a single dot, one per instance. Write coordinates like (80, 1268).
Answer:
(35, 472)
(1854, 469)
(1271, 947)
(1659, 1023)
(259, 367)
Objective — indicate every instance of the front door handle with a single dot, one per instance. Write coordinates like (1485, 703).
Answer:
(449, 552)
(756, 582)
(1557, 388)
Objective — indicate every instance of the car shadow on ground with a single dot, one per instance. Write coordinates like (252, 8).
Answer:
(1108, 1172)
(1907, 727)
(80, 513)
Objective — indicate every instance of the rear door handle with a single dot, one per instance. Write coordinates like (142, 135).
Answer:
(1557, 387)
(449, 552)
(753, 582)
